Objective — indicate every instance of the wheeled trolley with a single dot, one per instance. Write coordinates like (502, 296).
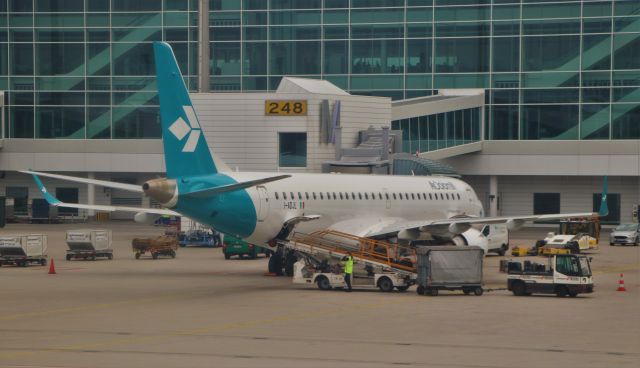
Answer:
(89, 244)
(23, 250)
(161, 246)
(450, 268)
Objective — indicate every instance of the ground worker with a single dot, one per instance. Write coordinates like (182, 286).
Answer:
(348, 270)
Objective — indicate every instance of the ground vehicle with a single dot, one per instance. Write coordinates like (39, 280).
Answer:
(23, 250)
(232, 246)
(497, 238)
(574, 235)
(566, 274)
(625, 234)
(160, 246)
(199, 238)
(89, 244)
(329, 277)
(449, 268)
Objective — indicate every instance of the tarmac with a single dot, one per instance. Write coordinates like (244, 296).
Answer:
(200, 310)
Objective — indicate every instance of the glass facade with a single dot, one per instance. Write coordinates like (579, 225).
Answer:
(552, 69)
(431, 132)
(77, 69)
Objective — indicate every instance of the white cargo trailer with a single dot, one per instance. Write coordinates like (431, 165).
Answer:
(89, 244)
(23, 250)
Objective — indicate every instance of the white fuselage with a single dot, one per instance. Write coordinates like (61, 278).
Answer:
(356, 204)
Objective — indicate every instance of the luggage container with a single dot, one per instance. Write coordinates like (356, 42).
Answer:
(449, 268)
(23, 250)
(160, 246)
(89, 244)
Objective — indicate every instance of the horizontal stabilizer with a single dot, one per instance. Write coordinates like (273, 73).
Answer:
(233, 187)
(57, 203)
(104, 183)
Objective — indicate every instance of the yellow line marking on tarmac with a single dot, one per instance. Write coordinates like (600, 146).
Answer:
(344, 309)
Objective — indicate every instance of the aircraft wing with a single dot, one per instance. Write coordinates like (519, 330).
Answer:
(104, 183)
(461, 224)
(57, 203)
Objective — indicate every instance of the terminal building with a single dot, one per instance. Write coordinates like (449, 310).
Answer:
(532, 102)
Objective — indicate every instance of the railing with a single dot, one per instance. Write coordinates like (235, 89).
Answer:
(392, 255)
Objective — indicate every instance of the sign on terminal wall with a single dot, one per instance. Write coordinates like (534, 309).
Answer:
(285, 107)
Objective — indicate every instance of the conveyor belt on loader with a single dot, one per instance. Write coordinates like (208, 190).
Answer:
(336, 244)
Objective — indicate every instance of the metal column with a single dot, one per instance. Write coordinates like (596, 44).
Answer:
(203, 46)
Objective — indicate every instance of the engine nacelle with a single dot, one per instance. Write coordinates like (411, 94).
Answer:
(146, 218)
(476, 238)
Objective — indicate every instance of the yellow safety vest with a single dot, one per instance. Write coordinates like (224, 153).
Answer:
(348, 265)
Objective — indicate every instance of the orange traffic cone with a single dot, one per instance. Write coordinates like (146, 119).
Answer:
(621, 284)
(52, 268)
(270, 274)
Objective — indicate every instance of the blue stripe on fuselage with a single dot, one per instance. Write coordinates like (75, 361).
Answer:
(231, 212)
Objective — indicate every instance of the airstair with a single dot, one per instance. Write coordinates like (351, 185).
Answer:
(336, 244)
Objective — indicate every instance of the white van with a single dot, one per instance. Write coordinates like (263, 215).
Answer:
(497, 238)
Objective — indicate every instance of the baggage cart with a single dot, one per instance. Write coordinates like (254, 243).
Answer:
(23, 250)
(449, 268)
(163, 245)
(89, 244)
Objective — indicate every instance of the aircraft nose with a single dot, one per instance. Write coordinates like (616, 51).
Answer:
(162, 190)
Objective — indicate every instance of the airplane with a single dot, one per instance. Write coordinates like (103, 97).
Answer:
(262, 208)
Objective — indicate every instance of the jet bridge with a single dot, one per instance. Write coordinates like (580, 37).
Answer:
(335, 244)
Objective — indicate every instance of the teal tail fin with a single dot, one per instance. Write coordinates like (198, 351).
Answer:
(604, 208)
(185, 149)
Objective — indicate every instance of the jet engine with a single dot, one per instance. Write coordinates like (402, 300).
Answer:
(165, 191)
(146, 218)
(473, 237)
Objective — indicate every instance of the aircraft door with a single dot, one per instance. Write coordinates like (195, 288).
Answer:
(263, 203)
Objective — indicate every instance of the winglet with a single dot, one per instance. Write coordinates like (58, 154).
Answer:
(51, 199)
(604, 208)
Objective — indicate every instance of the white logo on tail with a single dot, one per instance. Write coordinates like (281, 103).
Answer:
(181, 129)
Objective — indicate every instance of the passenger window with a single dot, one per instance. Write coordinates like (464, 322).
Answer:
(406, 196)
(321, 196)
(292, 196)
(430, 197)
(299, 196)
(314, 195)
(276, 193)
(366, 196)
(340, 193)
(412, 196)
(360, 195)
(447, 194)
(394, 196)
(353, 196)
(334, 195)
(284, 195)
(329, 195)
(459, 196)
(387, 195)
(442, 196)
(306, 194)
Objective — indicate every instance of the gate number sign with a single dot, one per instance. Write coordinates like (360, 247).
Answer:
(285, 108)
